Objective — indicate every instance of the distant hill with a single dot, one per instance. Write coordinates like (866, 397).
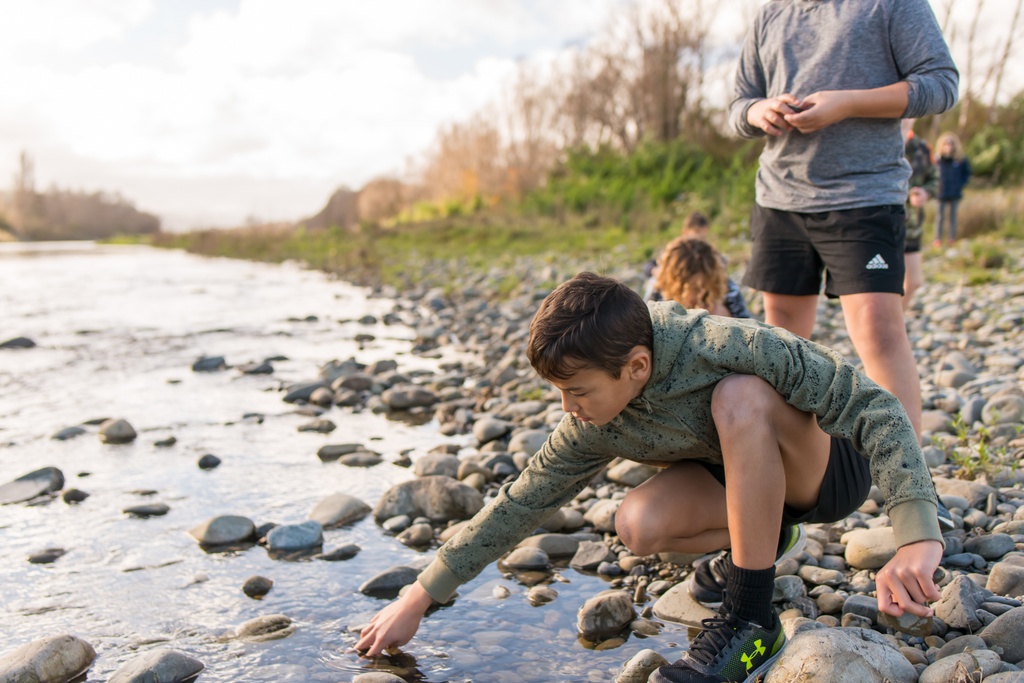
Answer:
(378, 200)
(68, 215)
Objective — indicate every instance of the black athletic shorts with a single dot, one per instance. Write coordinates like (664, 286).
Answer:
(844, 488)
(859, 250)
(912, 246)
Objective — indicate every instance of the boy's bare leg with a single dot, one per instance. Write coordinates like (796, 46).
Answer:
(680, 509)
(913, 279)
(877, 329)
(794, 313)
(774, 454)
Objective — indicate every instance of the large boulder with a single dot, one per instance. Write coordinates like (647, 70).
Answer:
(841, 655)
(158, 666)
(55, 659)
(960, 601)
(32, 485)
(437, 497)
(1005, 632)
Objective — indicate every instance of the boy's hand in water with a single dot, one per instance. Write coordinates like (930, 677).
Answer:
(905, 584)
(396, 624)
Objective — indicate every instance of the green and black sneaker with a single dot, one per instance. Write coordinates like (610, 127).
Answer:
(711, 576)
(727, 649)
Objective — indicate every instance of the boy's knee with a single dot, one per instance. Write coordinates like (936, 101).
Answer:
(632, 530)
(741, 400)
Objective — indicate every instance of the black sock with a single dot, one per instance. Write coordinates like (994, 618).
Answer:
(749, 594)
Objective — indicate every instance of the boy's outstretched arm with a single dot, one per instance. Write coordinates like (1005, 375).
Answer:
(905, 583)
(396, 624)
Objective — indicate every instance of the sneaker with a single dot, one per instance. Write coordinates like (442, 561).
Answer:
(727, 649)
(711, 577)
(946, 521)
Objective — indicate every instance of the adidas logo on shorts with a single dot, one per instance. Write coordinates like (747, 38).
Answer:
(877, 263)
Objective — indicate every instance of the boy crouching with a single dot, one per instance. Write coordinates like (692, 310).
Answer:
(759, 431)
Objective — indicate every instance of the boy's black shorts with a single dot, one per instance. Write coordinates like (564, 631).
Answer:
(844, 488)
(860, 250)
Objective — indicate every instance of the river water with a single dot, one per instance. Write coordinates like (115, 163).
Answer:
(117, 330)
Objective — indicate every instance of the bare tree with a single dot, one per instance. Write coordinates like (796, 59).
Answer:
(1000, 66)
(969, 91)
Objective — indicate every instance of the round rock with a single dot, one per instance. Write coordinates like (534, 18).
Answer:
(224, 530)
(339, 509)
(117, 431)
(161, 665)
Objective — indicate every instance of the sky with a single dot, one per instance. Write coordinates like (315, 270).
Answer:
(216, 112)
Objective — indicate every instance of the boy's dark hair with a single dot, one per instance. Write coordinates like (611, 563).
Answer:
(696, 221)
(589, 321)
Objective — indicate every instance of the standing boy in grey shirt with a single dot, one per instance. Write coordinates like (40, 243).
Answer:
(828, 82)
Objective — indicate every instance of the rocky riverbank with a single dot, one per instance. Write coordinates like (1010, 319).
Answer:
(970, 351)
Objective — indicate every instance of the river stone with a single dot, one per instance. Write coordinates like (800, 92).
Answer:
(1007, 409)
(820, 576)
(68, 433)
(339, 509)
(267, 627)
(629, 473)
(912, 625)
(47, 556)
(301, 392)
(605, 614)
(1016, 676)
(32, 485)
(847, 655)
(361, 459)
(224, 530)
(209, 462)
(18, 343)
(289, 537)
(976, 494)
(959, 644)
(320, 426)
(990, 546)
(555, 545)
(436, 497)
(436, 464)
(966, 666)
(389, 582)
(116, 431)
(377, 677)
(487, 429)
(933, 456)
(961, 598)
(527, 558)
(55, 659)
(870, 548)
(1005, 632)
(147, 510)
(528, 440)
(541, 595)
(340, 554)
(787, 588)
(209, 364)
(862, 605)
(676, 604)
(404, 397)
(332, 452)
(602, 514)
(417, 535)
(589, 556)
(936, 421)
(257, 586)
(640, 666)
(72, 496)
(158, 666)
(1006, 579)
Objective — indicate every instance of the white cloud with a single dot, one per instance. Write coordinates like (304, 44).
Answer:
(65, 24)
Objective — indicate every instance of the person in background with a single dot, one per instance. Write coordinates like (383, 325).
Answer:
(826, 84)
(691, 272)
(697, 226)
(954, 172)
(924, 184)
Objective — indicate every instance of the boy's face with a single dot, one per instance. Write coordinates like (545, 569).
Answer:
(595, 397)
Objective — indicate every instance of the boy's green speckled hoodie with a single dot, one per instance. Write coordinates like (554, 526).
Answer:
(671, 421)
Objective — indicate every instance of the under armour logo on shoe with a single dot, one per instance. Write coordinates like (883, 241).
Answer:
(877, 263)
(748, 659)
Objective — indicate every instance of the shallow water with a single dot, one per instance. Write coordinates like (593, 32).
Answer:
(118, 329)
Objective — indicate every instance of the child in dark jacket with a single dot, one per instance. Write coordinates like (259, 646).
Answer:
(757, 429)
(954, 172)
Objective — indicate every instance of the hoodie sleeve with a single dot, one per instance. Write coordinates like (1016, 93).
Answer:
(555, 474)
(816, 379)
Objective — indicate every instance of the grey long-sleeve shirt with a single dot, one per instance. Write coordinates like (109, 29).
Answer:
(806, 46)
(671, 421)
